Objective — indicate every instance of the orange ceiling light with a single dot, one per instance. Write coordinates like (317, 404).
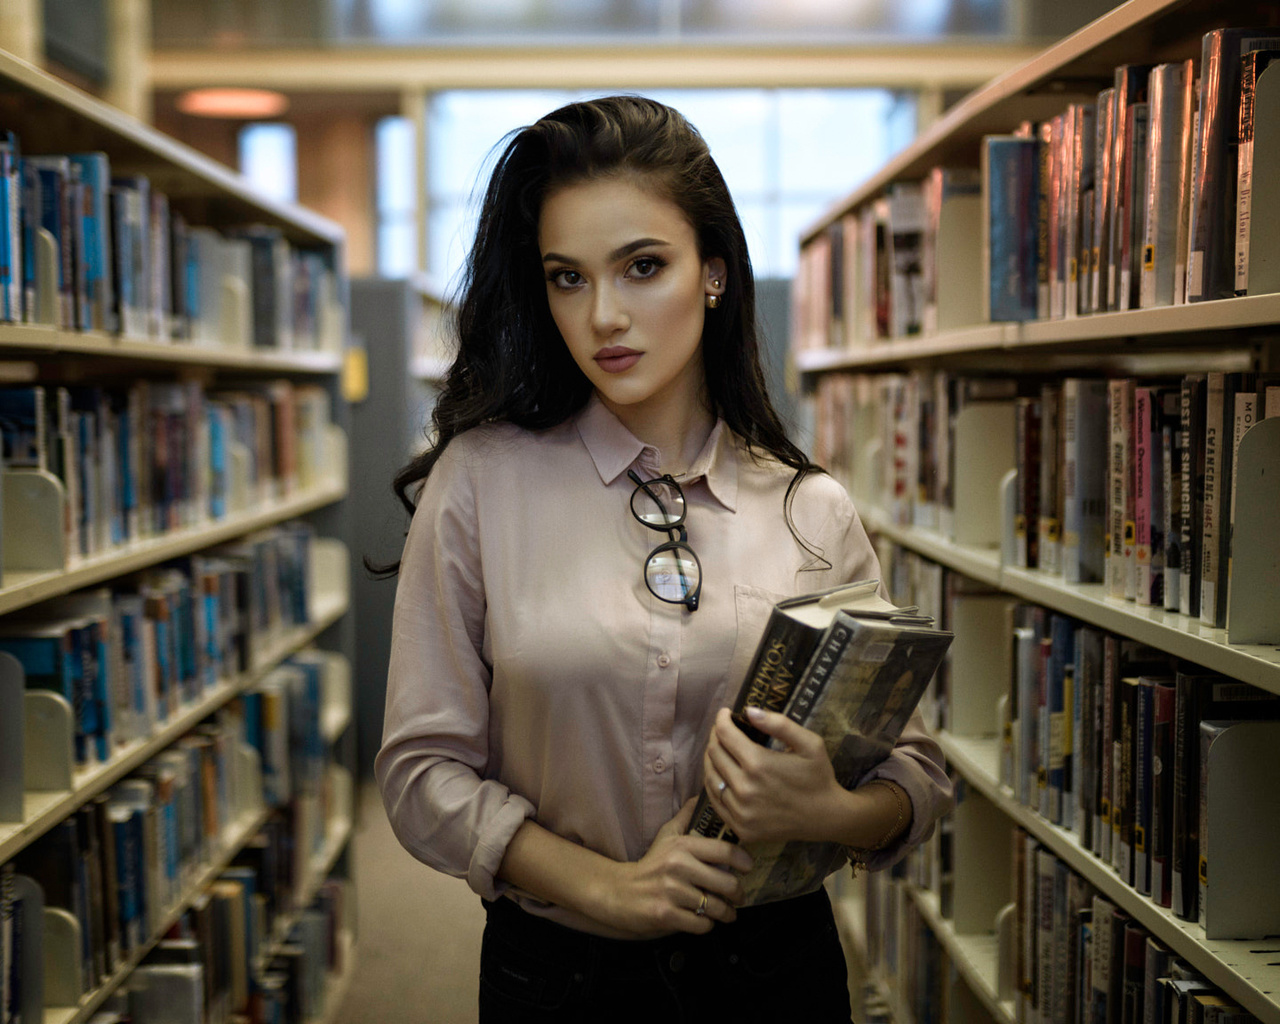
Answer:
(244, 104)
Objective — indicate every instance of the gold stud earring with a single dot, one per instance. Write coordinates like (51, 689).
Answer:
(713, 301)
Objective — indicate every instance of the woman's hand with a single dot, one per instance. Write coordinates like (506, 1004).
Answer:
(770, 795)
(662, 891)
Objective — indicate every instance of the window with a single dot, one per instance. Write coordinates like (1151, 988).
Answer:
(397, 241)
(269, 159)
(786, 154)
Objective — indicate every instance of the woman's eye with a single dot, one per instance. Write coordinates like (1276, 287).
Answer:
(566, 278)
(646, 266)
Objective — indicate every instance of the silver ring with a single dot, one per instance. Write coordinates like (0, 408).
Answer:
(702, 907)
(721, 786)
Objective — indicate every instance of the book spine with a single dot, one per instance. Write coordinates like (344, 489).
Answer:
(1192, 485)
(1135, 176)
(1027, 501)
(1142, 786)
(1217, 434)
(1049, 530)
(1106, 760)
(1211, 268)
(1100, 255)
(1125, 798)
(1142, 417)
(1120, 526)
(1171, 485)
(1162, 744)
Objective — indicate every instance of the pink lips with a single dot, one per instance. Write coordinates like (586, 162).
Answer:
(617, 358)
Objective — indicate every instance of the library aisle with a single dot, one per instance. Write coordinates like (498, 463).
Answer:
(418, 945)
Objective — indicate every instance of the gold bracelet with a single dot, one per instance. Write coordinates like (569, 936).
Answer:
(892, 834)
(857, 856)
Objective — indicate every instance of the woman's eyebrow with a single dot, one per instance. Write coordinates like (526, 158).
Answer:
(617, 254)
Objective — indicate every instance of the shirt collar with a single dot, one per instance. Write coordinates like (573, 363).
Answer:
(613, 448)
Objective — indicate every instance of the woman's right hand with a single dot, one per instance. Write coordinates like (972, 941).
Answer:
(661, 892)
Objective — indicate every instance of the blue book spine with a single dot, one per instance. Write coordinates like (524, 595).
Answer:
(1012, 183)
(95, 175)
(30, 224)
(11, 227)
(217, 462)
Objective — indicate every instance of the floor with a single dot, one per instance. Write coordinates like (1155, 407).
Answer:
(418, 934)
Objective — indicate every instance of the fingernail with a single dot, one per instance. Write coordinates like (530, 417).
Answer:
(755, 714)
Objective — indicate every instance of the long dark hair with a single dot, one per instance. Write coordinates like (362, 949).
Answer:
(511, 363)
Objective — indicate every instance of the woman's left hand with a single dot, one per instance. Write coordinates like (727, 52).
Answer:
(765, 794)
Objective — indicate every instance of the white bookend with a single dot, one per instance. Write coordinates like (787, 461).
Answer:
(1241, 834)
(984, 446)
(1262, 242)
(959, 275)
(981, 661)
(1253, 609)
(982, 850)
(12, 683)
(47, 738)
(62, 946)
(46, 264)
(34, 514)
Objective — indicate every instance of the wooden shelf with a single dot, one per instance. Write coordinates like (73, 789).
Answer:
(1074, 69)
(44, 810)
(38, 340)
(975, 957)
(27, 588)
(89, 1003)
(54, 111)
(1166, 339)
(1180, 635)
(1248, 971)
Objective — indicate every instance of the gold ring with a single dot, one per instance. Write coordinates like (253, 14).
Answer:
(702, 907)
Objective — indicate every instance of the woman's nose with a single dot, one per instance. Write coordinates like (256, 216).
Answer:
(607, 313)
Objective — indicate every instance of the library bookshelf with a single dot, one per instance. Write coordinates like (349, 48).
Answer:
(285, 481)
(973, 924)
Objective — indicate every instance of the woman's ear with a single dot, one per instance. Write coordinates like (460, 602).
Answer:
(714, 276)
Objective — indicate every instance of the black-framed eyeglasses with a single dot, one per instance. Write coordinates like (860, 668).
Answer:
(672, 571)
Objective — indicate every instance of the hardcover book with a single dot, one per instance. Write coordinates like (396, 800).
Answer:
(850, 666)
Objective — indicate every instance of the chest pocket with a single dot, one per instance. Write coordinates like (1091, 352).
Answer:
(753, 606)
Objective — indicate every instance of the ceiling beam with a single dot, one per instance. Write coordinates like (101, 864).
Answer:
(917, 66)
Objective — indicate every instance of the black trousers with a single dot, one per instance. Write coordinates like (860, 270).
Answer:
(777, 963)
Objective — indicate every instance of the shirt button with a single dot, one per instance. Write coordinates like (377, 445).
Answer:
(659, 766)
(664, 660)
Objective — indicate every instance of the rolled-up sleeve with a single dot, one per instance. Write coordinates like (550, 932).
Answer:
(435, 742)
(916, 762)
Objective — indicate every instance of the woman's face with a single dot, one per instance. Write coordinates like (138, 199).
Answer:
(628, 290)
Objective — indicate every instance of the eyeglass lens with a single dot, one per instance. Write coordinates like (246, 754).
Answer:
(672, 574)
(658, 503)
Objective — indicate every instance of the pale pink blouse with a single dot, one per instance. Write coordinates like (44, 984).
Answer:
(532, 673)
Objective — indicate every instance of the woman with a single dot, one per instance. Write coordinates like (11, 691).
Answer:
(556, 691)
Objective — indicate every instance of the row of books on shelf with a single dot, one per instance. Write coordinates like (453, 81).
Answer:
(130, 657)
(1080, 959)
(1139, 198)
(1097, 733)
(139, 459)
(125, 860)
(1123, 481)
(1075, 956)
(84, 249)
